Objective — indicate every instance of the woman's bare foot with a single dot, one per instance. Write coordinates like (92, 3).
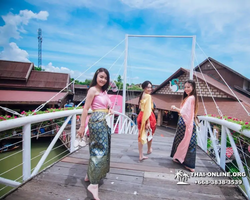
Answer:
(143, 158)
(176, 161)
(190, 169)
(150, 151)
(86, 178)
(93, 188)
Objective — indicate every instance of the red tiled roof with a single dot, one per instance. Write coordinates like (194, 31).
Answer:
(222, 87)
(12, 70)
(29, 97)
(210, 81)
(228, 106)
(41, 80)
(222, 65)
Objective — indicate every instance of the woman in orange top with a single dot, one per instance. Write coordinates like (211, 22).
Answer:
(146, 119)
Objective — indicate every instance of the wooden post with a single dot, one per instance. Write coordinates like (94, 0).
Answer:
(159, 117)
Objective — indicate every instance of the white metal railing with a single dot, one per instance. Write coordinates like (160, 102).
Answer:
(219, 145)
(121, 124)
(118, 122)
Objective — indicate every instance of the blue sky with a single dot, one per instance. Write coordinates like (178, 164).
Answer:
(78, 33)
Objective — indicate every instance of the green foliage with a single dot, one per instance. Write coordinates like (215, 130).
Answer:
(38, 68)
(232, 168)
(119, 79)
(134, 87)
(119, 82)
(49, 110)
(209, 143)
(244, 125)
(77, 82)
(59, 121)
(119, 85)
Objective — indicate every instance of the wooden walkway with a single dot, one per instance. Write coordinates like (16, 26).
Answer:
(152, 179)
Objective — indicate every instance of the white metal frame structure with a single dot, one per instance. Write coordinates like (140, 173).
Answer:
(155, 36)
(126, 126)
(202, 138)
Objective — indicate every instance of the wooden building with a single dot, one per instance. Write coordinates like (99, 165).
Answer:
(171, 90)
(24, 88)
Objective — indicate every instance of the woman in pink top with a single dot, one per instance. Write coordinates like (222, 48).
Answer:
(99, 132)
(184, 145)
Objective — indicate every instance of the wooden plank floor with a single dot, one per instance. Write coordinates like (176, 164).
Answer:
(128, 178)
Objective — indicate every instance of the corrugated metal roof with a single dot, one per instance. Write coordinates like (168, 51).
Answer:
(12, 70)
(29, 97)
(48, 80)
(81, 86)
(79, 97)
(41, 80)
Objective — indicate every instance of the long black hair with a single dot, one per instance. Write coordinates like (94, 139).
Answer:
(94, 80)
(192, 93)
(144, 85)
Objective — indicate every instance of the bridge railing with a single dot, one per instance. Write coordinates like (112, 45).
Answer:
(228, 146)
(119, 123)
(207, 139)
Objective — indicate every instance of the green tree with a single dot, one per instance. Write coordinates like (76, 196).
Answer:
(119, 82)
(134, 87)
(119, 79)
(38, 68)
(87, 82)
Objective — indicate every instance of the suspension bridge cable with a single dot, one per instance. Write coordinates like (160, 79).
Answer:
(11, 111)
(119, 85)
(11, 155)
(218, 109)
(108, 70)
(42, 105)
(224, 80)
(205, 110)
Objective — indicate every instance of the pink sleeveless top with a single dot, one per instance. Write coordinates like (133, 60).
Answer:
(101, 101)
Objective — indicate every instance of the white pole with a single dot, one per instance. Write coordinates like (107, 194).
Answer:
(125, 75)
(48, 150)
(239, 162)
(192, 61)
(73, 133)
(9, 182)
(163, 36)
(26, 151)
(223, 148)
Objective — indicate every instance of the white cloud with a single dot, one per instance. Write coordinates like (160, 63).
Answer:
(154, 69)
(14, 24)
(108, 5)
(12, 29)
(52, 68)
(222, 27)
(73, 73)
(13, 52)
(210, 15)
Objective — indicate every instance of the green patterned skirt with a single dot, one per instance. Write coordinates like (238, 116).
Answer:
(99, 147)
